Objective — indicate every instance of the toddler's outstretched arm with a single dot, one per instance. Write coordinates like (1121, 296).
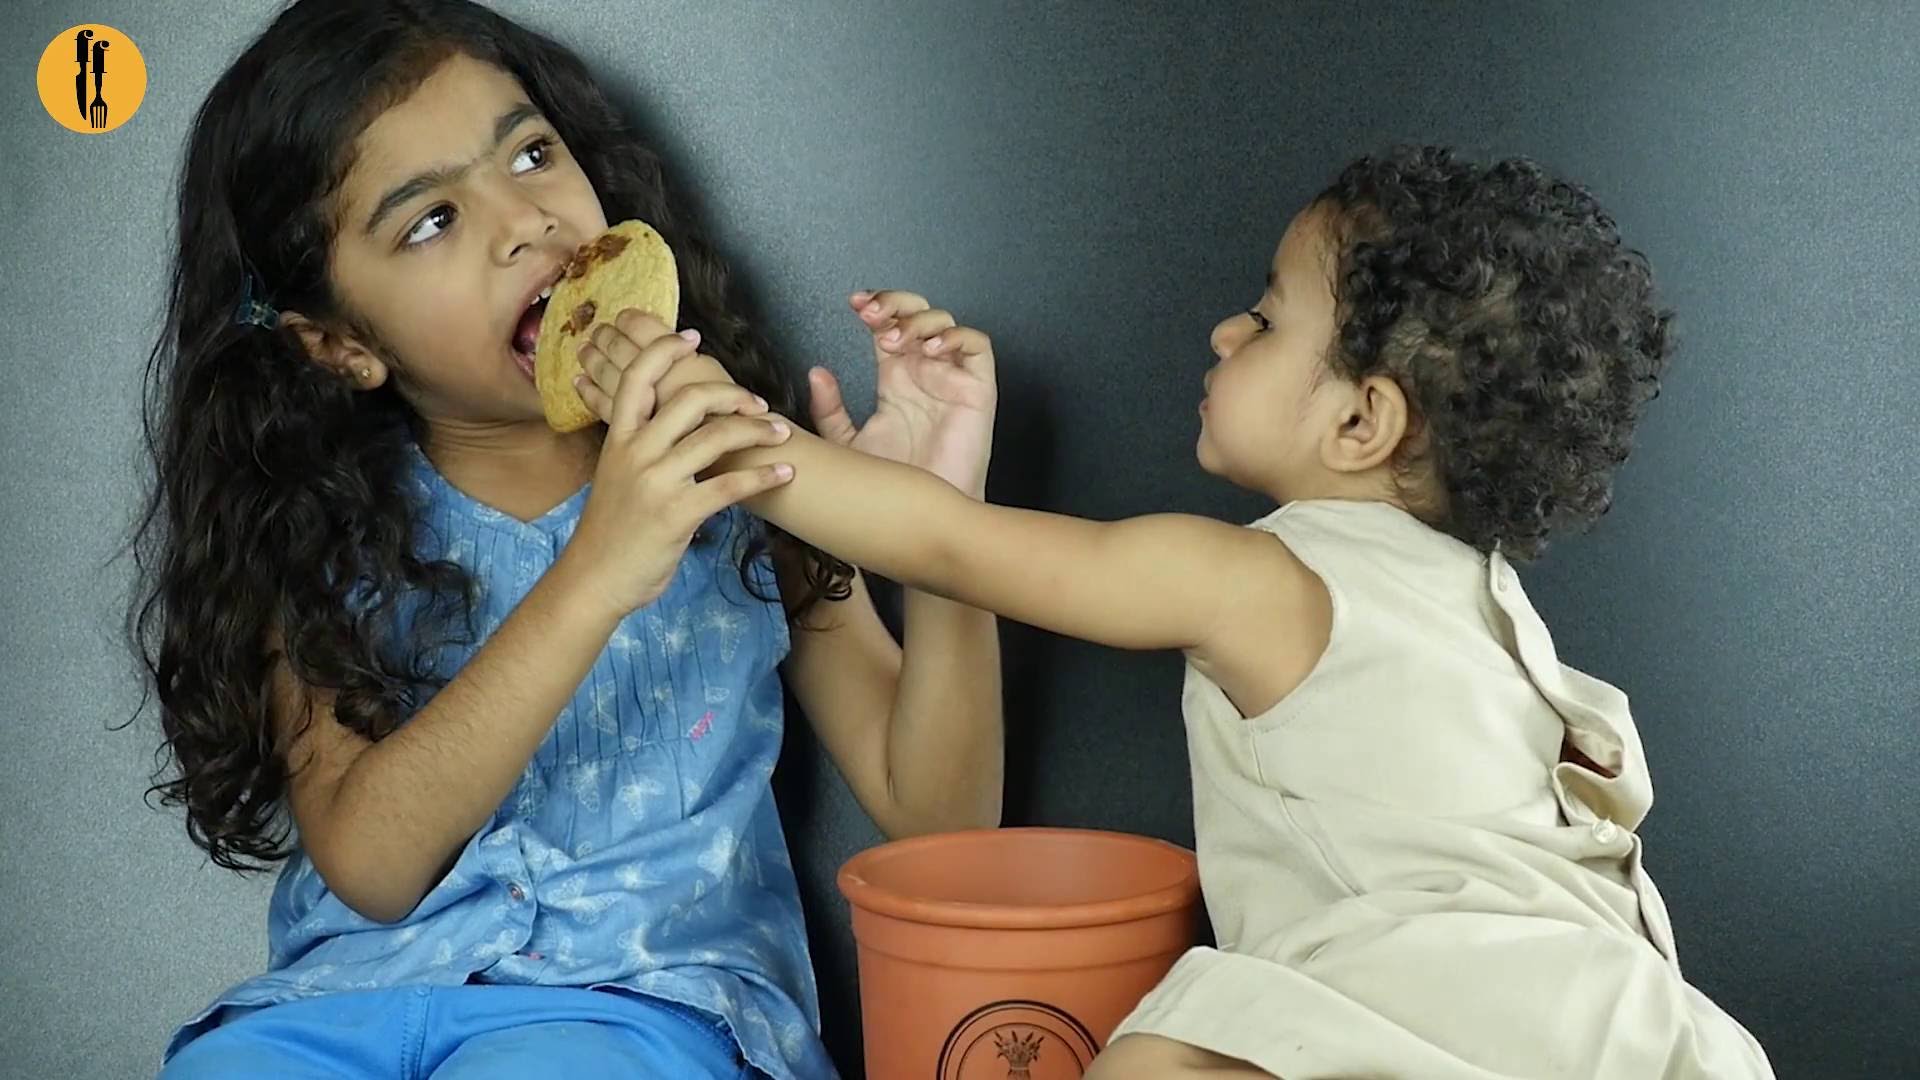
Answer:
(1164, 581)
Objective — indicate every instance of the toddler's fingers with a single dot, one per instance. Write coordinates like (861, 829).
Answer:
(829, 407)
(959, 342)
(886, 305)
(910, 330)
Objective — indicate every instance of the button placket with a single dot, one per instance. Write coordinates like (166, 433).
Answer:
(1653, 909)
(1501, 574)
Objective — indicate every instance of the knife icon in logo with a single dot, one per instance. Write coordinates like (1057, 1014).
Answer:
(80, 41)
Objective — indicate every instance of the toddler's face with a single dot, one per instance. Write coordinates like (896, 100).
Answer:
(1264, 418)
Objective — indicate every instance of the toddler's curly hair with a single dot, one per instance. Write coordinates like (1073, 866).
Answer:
(1526, 336)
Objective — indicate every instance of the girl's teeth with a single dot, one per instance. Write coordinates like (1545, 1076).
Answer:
(546, 293)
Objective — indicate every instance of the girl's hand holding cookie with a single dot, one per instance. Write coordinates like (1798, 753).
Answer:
(648, 498)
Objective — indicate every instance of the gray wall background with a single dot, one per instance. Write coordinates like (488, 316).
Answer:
(1095, 184)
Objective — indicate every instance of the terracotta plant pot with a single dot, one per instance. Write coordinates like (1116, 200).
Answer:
(1011, 954)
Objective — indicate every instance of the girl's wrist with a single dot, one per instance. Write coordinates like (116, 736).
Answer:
(574, 592)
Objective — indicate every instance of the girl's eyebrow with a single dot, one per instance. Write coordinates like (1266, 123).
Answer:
(411, 188)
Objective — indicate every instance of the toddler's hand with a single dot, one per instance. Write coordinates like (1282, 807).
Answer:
(934, 396)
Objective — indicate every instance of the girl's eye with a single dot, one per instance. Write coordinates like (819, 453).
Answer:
(536, 151)
(439, 218)
(1261, 324)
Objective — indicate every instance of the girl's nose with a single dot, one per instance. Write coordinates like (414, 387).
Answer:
(524, 224)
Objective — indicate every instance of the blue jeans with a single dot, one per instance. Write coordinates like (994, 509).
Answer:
(464, 1033)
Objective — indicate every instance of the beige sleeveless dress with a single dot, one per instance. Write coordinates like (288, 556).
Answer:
(1405, 877)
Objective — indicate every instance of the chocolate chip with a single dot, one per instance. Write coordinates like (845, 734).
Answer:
(581, 318)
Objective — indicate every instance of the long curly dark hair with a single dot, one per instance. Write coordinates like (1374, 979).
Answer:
(1526, 336)
(276, 531)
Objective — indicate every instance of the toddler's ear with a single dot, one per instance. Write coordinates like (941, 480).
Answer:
(1375, 424)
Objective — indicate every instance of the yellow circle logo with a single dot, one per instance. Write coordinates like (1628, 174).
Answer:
(92, 79)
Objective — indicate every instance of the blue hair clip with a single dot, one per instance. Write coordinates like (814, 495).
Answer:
(254, 311)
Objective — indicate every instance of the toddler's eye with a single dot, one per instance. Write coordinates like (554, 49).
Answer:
(1261, 324)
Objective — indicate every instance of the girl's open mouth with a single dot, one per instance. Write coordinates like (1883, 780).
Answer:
(526, 333)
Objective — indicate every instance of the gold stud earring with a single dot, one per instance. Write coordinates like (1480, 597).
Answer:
(365, 374)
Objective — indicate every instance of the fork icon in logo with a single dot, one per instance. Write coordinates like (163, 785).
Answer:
(96, 116)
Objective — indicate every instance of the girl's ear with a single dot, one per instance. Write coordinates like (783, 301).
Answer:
(341, 354)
